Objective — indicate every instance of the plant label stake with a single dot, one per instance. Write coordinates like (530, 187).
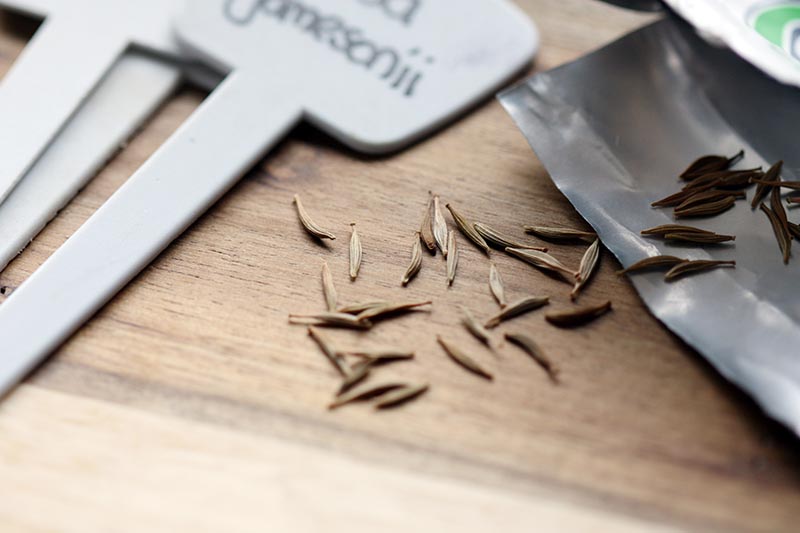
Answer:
(72, 51)
(373, 80)
(128, 94)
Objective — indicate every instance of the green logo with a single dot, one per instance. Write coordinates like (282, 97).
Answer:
(779, 23)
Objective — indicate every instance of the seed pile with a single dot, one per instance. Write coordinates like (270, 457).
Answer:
(712, 188)
(356, 368)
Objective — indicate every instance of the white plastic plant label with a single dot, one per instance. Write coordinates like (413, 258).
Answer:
(372, 75)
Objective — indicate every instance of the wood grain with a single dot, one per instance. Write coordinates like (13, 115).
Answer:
(189, 402)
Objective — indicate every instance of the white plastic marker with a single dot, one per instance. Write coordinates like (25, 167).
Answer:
(375, 81)
(74, 48)
(133, 89)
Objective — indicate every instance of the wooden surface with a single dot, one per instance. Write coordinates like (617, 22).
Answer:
(189, 403)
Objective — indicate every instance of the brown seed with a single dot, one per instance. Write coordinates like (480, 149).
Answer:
(389, 309)
(463, 359)
(309, 224)
(560, 233)
(517, 308)
(401, 396)
(793, 200)
(531, 347)
(707, 209)
(542, 260)
(780, 213)
(588, 266)
(674, 228)
(355, 309)
(416, 261)
(781, 233)
(794, 185)
(763, 190)
(497, 239)
(452, 258)
(358, 373)
(741, 179)
(328, 288)
(328, 350)
(426, 228)
(710, 163)
(363, 395)
(707, 197)
(439, 226)
(692, 267)
(726, 179)
(381, 357)
(794, 229)
(475, 327)
(699, 238)
(331, 320)
(468, 229)
(356, 252)
(678, 197)
(584, 315)
(703, 183)
(652, 262)
(496, 285)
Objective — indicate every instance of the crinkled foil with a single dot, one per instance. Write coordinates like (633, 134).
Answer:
(616, 127)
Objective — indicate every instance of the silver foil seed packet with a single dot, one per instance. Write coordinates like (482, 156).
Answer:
(615, 129)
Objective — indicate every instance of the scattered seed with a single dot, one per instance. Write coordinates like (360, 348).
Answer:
(501, 241)
(780, 214)
(364, 395)
(794, 185)
(741, 179)
(328, 350)
(707, 209)
(476, 328)
(541, 260)
(389, 309)
(381, 357)
(468, 229)
(416, 260)
(678, 197)
(710, 163)
(426, 229)
(793, 200)
(361, 307)
(328, 288)
(401, 396)
(587, 267)
(531, 347)
(781, 233)
(439, 226)
(707, 197)
(463, 359)
(331, 320)
(309, 224)
(674, 228)
(584, 315)
(496, 285)
(699, 238)
(794, 229)
(354, 376)
(517, 308)
(691, 267)
(762, 189)
(560, 234)
(356, 252)
(452, 258)
(652, 262)
(704, 183)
